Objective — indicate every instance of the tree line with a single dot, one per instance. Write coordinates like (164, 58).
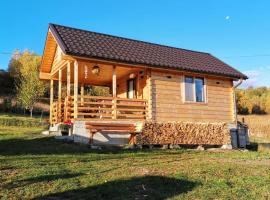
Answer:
(253, 100)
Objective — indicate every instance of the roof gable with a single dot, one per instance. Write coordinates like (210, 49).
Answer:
(76, 42)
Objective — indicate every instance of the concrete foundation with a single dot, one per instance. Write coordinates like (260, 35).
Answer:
(82, 135)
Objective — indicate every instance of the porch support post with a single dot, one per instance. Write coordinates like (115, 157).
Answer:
(114, 81)
(76, 89)
(114, 85)
(67, 100)
(51, 102)
(60, 95)
(68, 78)
(149, 102)
(82, 94)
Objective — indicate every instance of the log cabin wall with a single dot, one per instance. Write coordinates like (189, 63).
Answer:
(168, 102)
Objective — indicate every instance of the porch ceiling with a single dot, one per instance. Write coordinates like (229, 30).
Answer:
(104, 78)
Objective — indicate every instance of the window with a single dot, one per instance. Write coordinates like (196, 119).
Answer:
(199, 88)
(131, 88)
(189, 94)
(194, 89)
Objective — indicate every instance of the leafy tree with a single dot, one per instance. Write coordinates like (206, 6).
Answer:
(253, 100)
(15, 65)
(29, 87)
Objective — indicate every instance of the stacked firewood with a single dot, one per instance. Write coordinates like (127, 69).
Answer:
(184, 133)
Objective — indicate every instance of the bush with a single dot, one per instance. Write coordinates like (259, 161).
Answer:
(22, 122)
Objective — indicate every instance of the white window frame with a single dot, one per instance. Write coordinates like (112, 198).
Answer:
(194, 89)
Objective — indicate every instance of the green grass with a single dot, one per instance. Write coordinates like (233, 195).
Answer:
(33, 166)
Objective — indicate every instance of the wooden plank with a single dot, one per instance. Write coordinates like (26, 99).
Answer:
(131, 100)
(75, 89)
(93, 114)
(94, 108)
(131, 115)
(95, 97)
(96, 103)
(131, 109)
(51, 101)
(59, 94)
(114, 84)
(68, 78)
(131, 105)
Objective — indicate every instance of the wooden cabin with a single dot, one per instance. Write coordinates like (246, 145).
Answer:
(146, 82)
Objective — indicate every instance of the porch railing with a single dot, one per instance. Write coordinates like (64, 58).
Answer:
(57, 112)
(99, 108)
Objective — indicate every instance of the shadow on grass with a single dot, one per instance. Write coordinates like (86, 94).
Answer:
(45, 178)
(148, 187)
(48, 145)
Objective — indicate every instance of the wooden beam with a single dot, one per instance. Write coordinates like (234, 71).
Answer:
(45, 76)
(76, 89)
(114, 81)
(149, 86)
(59, 86)
(68, 79)
(114, 86)
(51, 101)
(59, 95)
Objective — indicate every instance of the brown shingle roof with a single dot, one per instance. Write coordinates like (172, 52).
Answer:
(89, 44)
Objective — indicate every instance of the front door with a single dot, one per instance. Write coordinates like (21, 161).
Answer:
(131, 91)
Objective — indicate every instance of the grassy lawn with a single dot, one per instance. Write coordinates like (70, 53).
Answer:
(33, 166)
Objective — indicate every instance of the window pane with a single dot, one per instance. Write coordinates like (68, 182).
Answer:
(199, 87)
(189, 89)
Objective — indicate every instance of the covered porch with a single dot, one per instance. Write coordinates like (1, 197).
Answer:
(126, 99)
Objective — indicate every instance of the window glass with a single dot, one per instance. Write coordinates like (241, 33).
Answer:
(199, 88)
(189, 89)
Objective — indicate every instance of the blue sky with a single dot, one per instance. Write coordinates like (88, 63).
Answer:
(238, 32)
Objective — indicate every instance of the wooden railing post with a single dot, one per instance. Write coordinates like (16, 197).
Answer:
(68, 78)
(149, 103)
(114, 108)
(60, 95)
(51, 102)
(114, 86)
(75, 89)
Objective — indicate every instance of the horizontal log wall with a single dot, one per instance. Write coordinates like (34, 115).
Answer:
(184, 133)
(168, 103)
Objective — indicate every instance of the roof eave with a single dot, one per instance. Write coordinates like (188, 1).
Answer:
(244, 77)
(56, 35)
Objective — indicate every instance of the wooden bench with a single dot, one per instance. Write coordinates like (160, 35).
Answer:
(112, 128)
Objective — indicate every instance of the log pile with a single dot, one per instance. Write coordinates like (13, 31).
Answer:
(184, 133)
